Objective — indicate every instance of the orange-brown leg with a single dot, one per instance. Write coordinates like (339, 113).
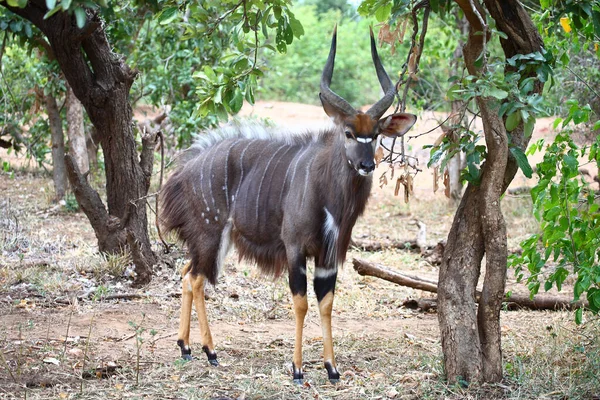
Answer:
(183, 338)
(206, 338)
(300, 309)
(298, 287)
(324, 284)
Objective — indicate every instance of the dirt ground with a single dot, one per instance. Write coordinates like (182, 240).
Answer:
(72, 326)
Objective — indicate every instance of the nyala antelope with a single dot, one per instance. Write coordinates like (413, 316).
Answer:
(281, 199)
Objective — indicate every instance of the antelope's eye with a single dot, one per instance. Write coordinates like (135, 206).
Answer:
(348, 134)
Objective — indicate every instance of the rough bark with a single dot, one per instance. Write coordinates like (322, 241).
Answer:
(101, 81)
(471, 337)
(59, 173)
(75, 132)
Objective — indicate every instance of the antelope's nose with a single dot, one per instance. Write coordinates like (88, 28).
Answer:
(367, 166)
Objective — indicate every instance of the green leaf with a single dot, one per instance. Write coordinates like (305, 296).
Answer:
(168, 15)
(50, 4)
(65, 4)
(80, 17)
(13, 3)
(596, 126)
(383, 12)
(522, 161)
(296, 26)
(579, 316)
(210, 74)
(512, 121)
(528, 128)
(497, 93)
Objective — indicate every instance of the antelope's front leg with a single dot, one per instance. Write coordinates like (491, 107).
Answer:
(298, 288)
(324, 284)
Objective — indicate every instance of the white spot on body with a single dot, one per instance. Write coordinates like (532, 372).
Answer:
(207, 221)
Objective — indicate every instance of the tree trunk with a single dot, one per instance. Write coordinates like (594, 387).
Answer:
(59, 173)
(75, 132)
(470, 336)
(101, 81)
(92, 149)
(455, 164)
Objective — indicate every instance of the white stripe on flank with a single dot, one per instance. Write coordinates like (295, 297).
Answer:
(308, 164)
(211, 176)
(241, 171)
(226, 187)
(263, 178)
(330, 233)
(287, 171)
(202, 180)
(224, 246)
(296, 164)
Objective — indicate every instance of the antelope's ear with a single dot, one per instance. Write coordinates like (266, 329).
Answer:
(396, 125)
(332, 111)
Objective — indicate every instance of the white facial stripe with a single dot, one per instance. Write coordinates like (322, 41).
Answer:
(364, 140)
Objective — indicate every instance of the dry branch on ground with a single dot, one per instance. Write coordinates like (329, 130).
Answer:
(514, 301)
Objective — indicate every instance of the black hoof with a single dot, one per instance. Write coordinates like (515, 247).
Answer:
(186, 352)
(212, 356)
(332, 373)
(298, 375)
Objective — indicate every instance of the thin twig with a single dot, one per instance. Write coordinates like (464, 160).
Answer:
(222, 17)
(87, 345)
(62, 357)
(583, 81)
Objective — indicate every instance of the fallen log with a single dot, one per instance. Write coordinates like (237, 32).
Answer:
(373, 246)
(515, 301)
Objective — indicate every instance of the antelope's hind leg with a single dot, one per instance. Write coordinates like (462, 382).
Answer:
(206, 338)
(187, 297)
(324, 284)
(193, 291)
